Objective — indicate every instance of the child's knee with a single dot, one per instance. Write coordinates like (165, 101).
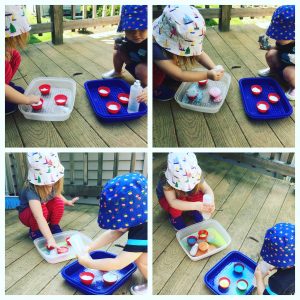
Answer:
(289, 73)
(141, 73)
(271, 55)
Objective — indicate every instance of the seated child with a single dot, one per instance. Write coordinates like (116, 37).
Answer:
(131, 50)
(123, 208)
(182, 187)
(178, 39)
(279, 251)
(41, 202)
(281, 58)
(16, 36)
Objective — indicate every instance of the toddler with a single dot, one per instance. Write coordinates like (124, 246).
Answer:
(279, 251)
(16, 36)
(131, 50)
(178, 38)
(41, 202)
(281, 57)
(182, 188)
(123, 208)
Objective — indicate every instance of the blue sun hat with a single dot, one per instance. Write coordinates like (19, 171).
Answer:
(282, 26)
(123, 202)
(133, 17)
(279, 246)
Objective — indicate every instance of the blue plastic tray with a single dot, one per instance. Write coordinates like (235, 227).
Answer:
(98, 103)
(71, 274)
(280, 110)
(225, 268)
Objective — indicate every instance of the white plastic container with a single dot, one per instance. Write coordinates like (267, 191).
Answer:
(184, 233)
(50, 111)
(60, 238)
(135, 90)
(206, 105)
(207, 199)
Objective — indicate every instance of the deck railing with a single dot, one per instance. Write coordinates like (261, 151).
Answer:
(225, 12)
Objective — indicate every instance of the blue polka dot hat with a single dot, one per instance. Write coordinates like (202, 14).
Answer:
(282, 26)
(133, 17)
(279, 245)
(123, 202)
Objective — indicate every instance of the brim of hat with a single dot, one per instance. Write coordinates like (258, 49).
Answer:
(122, 28)
(130, 224)
(271, 33)
(275, 262)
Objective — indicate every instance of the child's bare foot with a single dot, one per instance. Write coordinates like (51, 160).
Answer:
(112, 74)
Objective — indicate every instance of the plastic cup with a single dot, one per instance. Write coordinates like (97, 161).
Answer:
(62, 250)
(273, 98)
(202, 235)
(103, 91)
(224, 283)
(256, 89)
(45, 89)
(86, 277)
(262, 106)
(38, 106)
(113, 107)
(207, 199)
(123, 98)
(202, 83)
(109, 278)
(242, 284)
(238, 268)
(192, 240)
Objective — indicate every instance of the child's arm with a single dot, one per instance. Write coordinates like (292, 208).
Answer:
(204, 60)
(259, 281)
(68, 202)
(16, 97)
(104, 239)
(175, 72)
(185, 205)
(143, 96)
(109, 264)
(36, 209)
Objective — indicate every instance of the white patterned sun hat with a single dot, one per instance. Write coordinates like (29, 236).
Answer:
(44, 168)
(15, 21)
(183, 172)
(180, 30)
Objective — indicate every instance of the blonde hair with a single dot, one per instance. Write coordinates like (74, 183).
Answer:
(184, 61)
(15, 42)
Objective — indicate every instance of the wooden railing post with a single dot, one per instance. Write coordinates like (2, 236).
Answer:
(73, 14)
(57, 24)
(224, 19)
(38, 16)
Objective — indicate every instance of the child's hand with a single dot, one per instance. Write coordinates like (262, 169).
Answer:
(51, 243)
(258, 273)
(71, 202)
(215, 74)
(31, 99)
(143, 96)
(206, 208)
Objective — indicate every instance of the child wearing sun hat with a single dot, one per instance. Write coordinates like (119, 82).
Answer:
(181, 189)
(178, 46)
(16, 35)
(41, 201)
(131, 50)
(279, 251)
(123, 209)
(281, 57)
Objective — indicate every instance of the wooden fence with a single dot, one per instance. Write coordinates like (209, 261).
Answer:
(225, 12)
(58, 24)
(85, 173)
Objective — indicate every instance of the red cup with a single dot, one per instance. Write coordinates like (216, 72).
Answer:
(202, 235)
(68, 241)
(38, 106)
(45, 89)
(110, 278)
(202, 82)
(256, 89)
(113, 107)
(192, 98)
(224, 283)
(262, 106)
(123, 98)
(49, 247)
(61, 250)
(103, 91)
(60, 99)
(273, 98)
(86, 277)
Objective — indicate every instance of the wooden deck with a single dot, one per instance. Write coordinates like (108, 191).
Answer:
(89, 58)
(230, 127)
(27, 273)
(247, 203)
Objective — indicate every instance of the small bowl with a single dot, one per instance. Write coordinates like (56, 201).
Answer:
(192, 240)
(203, 246)
(202, 82)
(273, 98)
(202, 235)
(242, 284)
(238, 268)
(256, 89)
(262, 106)
(224, 283)
(103, 91)
(45, 89)
(123, 98)
(68, 241)
(113, 107)
(215, 94)
(62, 250)
(110, 278)
(86, 278)
(60, 99)
(38, 106)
